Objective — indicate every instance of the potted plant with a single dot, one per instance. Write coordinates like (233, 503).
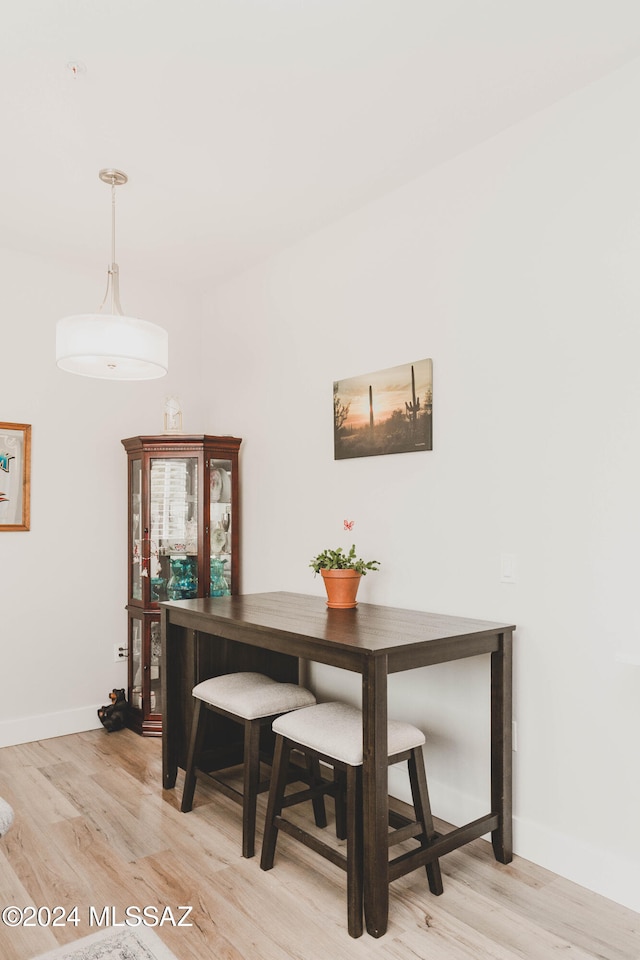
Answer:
(341, 573)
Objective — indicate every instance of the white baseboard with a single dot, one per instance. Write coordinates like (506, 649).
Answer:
(588, 865)
(47, 725)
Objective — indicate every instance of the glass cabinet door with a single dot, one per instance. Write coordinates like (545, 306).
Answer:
(220, 535)
(155, 668)
(145, 672)
(135, 664)
(136, 529)
(173, 547)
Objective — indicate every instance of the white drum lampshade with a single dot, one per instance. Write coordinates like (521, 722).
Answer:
(111, 346)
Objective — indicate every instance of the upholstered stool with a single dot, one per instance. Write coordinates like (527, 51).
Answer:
(6, 816)
(254, 701)
(332, 732)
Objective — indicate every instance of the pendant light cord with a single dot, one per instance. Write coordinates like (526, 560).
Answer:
(113, 284)
(113, 236)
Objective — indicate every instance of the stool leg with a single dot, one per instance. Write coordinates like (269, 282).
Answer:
(422, 807)
(250, 785)
(195, 746)
(315, 780)
(354, 851)
(279, 773)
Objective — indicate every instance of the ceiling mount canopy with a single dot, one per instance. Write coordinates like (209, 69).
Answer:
(112, 346)
(115, 177)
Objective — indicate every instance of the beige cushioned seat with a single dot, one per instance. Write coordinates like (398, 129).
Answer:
(333, 732)
(251, 700)
(335, 729)
(252, 695)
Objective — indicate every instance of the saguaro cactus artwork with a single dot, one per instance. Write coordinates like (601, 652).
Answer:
(395, 424)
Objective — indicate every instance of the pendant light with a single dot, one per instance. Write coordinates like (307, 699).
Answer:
(111, 346)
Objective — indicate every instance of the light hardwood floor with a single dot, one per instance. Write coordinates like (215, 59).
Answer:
(94, 828)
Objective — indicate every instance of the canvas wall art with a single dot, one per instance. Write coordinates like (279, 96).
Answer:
(389, 411)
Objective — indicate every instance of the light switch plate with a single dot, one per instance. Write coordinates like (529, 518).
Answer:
(508, 566)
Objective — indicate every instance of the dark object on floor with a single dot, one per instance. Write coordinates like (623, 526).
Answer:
(114, 716)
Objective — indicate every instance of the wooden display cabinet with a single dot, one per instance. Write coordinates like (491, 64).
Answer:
(183, 542)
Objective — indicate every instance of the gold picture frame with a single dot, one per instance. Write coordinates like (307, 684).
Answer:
(15, 476)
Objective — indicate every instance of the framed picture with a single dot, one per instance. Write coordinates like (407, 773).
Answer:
(389, 411)
(15, 476)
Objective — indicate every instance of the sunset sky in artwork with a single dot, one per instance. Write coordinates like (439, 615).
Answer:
(391, 388)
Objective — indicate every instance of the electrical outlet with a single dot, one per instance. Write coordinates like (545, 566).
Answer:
(120, 653)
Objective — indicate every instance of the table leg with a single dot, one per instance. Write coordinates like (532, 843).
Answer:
(169, 695)
(375, 795)
(501, 776)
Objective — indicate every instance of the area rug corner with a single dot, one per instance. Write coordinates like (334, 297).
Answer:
(139, 943)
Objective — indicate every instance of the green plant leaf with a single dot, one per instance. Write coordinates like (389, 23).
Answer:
(339, 560)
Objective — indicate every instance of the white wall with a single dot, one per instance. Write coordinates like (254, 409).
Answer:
(63, 585)
(515, 268)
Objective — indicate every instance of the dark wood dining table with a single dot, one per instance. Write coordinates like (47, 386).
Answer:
(274, 631)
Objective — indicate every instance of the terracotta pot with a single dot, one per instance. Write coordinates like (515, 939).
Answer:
(342, 587)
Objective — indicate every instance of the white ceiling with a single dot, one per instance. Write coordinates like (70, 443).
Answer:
(244, 125)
